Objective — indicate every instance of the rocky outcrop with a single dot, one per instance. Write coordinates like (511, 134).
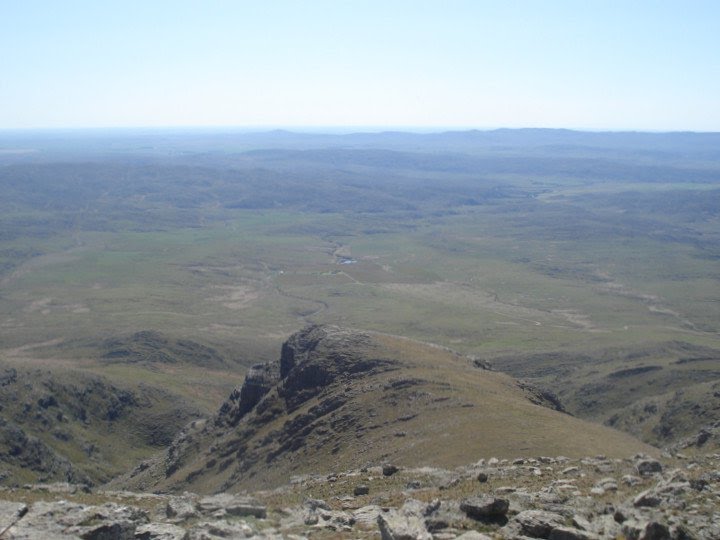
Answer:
(350, 398)
(319, 356)
(258, 382)
(552, 498)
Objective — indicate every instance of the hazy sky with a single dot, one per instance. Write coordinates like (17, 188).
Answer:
(629, 64)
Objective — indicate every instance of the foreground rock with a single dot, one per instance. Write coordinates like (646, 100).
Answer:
(553, 498)
(395, 525)
(485, 507)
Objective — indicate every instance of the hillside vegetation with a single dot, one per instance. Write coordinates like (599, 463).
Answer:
(338, 399)
(586, 263)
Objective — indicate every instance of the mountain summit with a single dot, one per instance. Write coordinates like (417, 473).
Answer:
(338, 399)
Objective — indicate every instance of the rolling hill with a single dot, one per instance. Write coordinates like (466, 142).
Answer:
(338, 399)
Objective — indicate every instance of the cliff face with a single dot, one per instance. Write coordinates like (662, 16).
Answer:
(339, 398)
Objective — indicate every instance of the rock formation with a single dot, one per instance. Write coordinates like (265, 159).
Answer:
(339, 398)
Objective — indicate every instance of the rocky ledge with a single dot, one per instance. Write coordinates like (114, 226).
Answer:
(641, 498)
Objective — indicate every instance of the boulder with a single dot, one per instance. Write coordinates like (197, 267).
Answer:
(484, 507)
(397, 526)
(647, 498)
(367, 515)
(315, 504)
(159, 531)
(11, 512)
(607, 484)
(45, 520)
(535, 523)
(569, 533)
(219, 529)
(655, 531)
(630, 480)
(473, 535)
(335, 520)
(646, 467)
(181, 508)
(389, 470)
(420, 509)
(234, 505)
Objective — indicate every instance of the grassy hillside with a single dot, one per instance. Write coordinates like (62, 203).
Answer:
(90, 419)
(340, 399)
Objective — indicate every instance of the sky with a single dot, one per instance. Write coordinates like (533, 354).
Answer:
(585, 64)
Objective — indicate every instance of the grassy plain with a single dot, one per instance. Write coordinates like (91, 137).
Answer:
(505, 246)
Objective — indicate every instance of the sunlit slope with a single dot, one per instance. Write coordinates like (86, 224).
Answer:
(340, 399)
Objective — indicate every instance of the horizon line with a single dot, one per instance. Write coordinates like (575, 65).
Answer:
(340, 129)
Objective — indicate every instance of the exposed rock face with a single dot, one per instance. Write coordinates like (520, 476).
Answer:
(258, 382)
(313, 359)
(542, 396)
(485, 507)
(333, 387)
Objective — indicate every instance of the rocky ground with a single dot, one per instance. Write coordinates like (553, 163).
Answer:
(558, 498)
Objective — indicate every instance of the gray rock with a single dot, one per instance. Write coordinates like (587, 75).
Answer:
(10, 512)
(181, 508)
(647, 467)
(655, 531)
(361, 490)
(484, 507)
(396, 526)
(63, 519)
(43, 520)
(535, 523)
(647, 498)
(630, 480)
(159, 531)
(389, 470)
(607, 484)
(367, 515)
(314, 504)
(631, 529)
(234, 505)
(420, 509)
(335, 520)
(110, 530)
(473, 535)
(605, 526)
(211, 530)
(108, 522)
(672, 488)
(569, 533)
(581, 523)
